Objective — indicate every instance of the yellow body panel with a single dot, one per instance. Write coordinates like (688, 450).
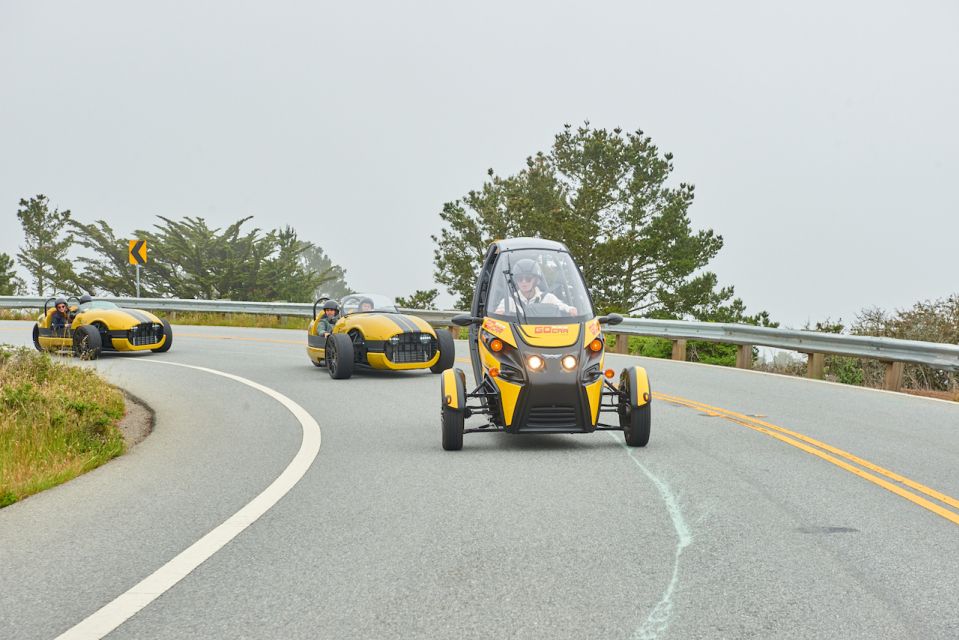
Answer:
(642, 388)
(591, 331)
(501, 330)
(593, 392)
(550, 335)
(508, 394)
(381, 326)
(450, 391)
(487, 358)
(379, 361)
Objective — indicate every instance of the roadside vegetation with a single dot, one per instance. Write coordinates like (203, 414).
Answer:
(56, 422)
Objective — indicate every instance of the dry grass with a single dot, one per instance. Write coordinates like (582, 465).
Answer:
(56, 422)
(18, 314)
(237, 320)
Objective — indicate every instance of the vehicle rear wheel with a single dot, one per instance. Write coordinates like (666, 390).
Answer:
(447, 349)
(36, 337)
(86, 342)
(635, 421)
(339, 356)
(168, 333)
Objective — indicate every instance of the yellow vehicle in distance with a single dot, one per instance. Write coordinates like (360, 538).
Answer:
(537, 350)
(371, 333)
(98, 325)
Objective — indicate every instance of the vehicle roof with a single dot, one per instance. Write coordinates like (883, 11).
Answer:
(512, 244)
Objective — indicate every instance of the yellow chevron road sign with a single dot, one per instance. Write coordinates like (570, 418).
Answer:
(138, 251)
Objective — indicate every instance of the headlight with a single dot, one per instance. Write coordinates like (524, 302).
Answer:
(569, 362)
(425, 338)
(536, 363)
(395, 340)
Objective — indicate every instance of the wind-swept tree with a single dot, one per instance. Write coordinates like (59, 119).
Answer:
(10, 283)
(47, 239)
(608, 197)
(107, 269)
(419, 299)
(333, 283)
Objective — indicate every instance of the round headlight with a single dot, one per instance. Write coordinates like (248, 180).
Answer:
(535, 362)
(569, 362)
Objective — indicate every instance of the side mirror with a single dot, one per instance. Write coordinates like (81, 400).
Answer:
(465, 320)
(612, 318)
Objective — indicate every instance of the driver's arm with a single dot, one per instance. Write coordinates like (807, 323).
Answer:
(550, 298)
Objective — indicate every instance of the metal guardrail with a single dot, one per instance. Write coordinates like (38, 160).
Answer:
(892, 351)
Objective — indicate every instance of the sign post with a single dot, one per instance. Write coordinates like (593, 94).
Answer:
(138, 256)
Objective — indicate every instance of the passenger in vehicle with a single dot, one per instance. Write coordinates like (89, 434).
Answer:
(60, 319)
(329, 318)
(366, 305)
(528, 277)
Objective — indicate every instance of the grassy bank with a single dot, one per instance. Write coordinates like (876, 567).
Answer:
(56, 422)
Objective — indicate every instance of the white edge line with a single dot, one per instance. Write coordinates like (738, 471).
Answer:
(128, 604)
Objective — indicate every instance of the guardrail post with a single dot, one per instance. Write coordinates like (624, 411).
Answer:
(172, 316)
(454, 331)
(892, 381)
(815, 365)
(679, 349)
(622, 343)
(744, 356)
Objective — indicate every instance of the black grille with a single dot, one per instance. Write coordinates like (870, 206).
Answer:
(145, 333)
(551, 417)
(410, 347)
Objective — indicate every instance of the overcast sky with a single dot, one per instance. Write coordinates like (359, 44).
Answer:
(822, 137)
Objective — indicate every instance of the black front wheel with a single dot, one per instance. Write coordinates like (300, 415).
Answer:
(168, 334)
(444, 340)
(86, 342)
(36, 337)
(339, 356)
(635, 421)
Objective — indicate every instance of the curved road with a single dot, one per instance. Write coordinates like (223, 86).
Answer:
(764, 507)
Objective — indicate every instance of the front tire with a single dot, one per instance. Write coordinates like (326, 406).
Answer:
(447, 349)
(36, 337)
(339, 356)
(635, 421)
(453, 419)
(168, 334)
(86, 342)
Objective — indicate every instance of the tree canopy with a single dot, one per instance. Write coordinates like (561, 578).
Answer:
(47, 239)
(187, 258)
(606, 195)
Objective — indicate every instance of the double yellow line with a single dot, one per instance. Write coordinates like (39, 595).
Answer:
(842, 459)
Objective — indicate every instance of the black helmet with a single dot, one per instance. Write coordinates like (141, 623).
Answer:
(60, 301)
(528, 267)
(85, 298)
(331, 304)
(368, 301)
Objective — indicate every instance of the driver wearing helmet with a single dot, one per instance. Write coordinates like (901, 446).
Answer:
(329, 318)
(528, 276)
(60, 319)
(366, 304)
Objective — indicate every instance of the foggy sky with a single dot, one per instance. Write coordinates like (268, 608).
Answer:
(822, 137)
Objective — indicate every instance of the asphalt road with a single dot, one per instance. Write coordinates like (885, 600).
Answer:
(717, 529)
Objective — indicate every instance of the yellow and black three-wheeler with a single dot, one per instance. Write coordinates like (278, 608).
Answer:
(537, 351)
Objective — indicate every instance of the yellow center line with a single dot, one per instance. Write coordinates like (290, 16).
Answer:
(827, 452)
(808, 445)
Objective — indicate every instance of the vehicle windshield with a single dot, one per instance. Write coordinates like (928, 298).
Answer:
(538, 286)
(366, 303)
(97, 304)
